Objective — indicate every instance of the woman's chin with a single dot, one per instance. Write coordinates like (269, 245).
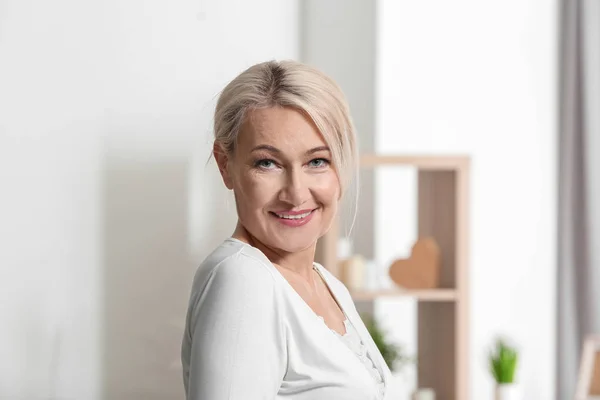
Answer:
(293, 239)
(292, 245)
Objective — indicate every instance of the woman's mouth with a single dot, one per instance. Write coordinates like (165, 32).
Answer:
(293, 218)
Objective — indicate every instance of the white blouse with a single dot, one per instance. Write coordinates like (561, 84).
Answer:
(352, 339)
(249, 335)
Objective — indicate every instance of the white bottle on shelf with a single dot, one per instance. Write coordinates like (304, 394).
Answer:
(352, 266)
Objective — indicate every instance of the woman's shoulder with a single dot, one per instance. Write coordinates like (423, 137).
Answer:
(236, 265)
(233, 284)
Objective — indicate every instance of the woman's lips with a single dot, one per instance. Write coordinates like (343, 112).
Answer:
(294, 218)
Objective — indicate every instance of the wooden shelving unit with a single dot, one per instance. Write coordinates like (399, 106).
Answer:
(421, 295)
(443, 211)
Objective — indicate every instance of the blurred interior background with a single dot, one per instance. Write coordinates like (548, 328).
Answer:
(108, 200)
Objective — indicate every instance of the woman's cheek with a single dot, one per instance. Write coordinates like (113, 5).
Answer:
(260, 187)
(328, 186)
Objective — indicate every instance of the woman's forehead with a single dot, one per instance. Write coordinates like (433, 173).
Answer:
(279, 126)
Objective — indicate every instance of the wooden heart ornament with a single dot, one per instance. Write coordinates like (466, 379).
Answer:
(422, 269)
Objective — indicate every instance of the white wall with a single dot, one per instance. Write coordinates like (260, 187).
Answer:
(479, 78)
(105, 112)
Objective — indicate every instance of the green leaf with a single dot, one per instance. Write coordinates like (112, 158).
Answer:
(503, 360)
(393, 354)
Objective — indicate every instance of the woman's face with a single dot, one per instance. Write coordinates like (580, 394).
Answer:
(285, 186)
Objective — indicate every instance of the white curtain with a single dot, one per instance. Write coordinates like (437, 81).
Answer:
(579, 187)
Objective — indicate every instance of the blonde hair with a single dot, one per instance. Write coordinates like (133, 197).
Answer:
(291, 84)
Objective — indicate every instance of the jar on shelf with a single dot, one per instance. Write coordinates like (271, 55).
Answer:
(352, 266)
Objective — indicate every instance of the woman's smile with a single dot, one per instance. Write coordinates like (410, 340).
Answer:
(294, 218)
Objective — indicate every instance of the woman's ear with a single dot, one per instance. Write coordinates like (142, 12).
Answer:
(223, 163)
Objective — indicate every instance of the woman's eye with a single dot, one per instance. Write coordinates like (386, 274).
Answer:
(265, 164)
(318, 163)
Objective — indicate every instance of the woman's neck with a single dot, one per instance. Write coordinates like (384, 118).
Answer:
(300, 262)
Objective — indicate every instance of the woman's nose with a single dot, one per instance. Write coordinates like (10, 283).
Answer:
(295, 190)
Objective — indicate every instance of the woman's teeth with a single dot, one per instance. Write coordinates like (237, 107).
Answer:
(299, 216)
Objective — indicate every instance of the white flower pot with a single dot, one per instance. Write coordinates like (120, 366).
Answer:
(508, 391)
(424, 394)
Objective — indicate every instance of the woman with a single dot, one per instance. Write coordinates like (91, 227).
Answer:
(264, 320)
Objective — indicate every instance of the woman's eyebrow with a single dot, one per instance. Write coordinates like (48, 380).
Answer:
(266, 147)
(277, 151)
(317, 149)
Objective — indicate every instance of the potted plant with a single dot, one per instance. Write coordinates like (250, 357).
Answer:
(392, 353)
(503, 359)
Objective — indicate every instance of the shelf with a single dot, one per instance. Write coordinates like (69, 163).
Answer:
(441, 314)
(424, 163)
(420, 295)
